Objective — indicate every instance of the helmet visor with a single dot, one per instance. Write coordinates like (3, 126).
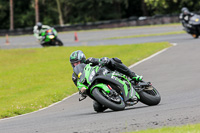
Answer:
(75, 63)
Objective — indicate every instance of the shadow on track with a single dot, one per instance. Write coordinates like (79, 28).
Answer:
(111, 111)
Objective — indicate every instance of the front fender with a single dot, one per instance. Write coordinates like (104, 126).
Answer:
(102, 86)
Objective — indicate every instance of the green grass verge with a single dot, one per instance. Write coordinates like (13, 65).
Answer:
(129, 27)
(147, 35)
(182, 129)
(34, 78)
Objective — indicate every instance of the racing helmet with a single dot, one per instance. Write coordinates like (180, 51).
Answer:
(39, 25)
(77, 57)
(185, 10)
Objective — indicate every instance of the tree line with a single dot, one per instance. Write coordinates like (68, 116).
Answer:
(25, 13)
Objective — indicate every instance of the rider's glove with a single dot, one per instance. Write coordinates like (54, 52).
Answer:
(104, 61)
(82, 94)
(89, 60)
(82, 91)
(137, 78)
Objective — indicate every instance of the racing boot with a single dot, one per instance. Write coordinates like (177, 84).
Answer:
(137, 78)
(98, 107)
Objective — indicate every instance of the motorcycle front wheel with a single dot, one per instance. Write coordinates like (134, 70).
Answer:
(195, 36)
(104, 99)
(58, 42)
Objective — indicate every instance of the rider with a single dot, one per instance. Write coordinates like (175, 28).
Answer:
(78, 57)
(185, 17)
(38, 29)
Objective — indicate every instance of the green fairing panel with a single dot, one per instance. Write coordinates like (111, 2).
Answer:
(102, 86)
(124, 84)
(43, 34)
(88, 69)
(134, 93)
(87, 72)
(80, 85)
(47, 40)
(138, 96)
(96, 68)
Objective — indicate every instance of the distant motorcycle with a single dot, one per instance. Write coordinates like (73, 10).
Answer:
(112, 89)
(49, 38)
(193, 26)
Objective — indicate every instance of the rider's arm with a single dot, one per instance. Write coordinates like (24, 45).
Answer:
(36, 31)
(81, 87)
(74, 79)
(94, 61)
(191, 14)
(181, 16)
(45, 27)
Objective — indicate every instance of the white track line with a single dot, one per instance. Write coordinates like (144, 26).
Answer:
(40, 109)
(174, 44)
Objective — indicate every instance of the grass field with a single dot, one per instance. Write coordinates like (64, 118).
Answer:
(31, 79)
(147, 35)
(182, 129)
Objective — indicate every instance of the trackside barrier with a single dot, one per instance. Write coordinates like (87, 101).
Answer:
(132, 21)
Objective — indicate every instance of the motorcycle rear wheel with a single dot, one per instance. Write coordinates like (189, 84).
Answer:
(150, 96)
(99, 96)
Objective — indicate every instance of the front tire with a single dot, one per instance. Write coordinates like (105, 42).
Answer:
(99, 96)
(44, 44)
(195, 36)
(149, 96)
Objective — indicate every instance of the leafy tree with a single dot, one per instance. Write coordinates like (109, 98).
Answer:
(60, 13)
(83, 11)
(24, 13)
(4, 17)
(171, 7)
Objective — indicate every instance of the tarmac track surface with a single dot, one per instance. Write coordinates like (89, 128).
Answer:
(93, 37)
(175, 74)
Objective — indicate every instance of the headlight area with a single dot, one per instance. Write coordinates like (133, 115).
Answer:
(51, 36)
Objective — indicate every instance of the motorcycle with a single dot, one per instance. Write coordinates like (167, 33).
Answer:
(49, 38)
(112, 89)
(193, 26)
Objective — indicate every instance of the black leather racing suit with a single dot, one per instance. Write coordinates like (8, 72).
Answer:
(185, 20)
(112, 64)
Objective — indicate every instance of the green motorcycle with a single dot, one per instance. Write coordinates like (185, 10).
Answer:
(49, 38)
(112, 89)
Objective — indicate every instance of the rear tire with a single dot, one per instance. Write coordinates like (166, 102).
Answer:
(99, 96)
(150, 97)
